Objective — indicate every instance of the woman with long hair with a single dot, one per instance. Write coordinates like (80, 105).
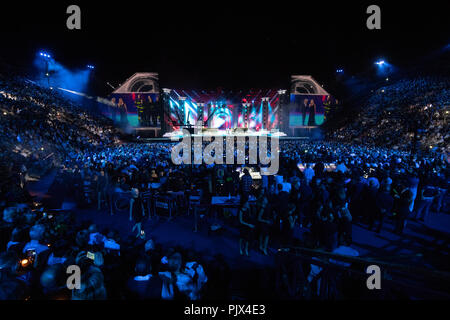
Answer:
(123, 111)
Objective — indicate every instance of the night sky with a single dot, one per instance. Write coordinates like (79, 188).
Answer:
(221, 43)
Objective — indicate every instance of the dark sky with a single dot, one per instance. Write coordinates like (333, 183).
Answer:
(221, 43)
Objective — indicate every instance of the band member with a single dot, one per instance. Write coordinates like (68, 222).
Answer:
(123, 112)
(327, 107)
(156, 116)
(139, 103)
(113, 109)
(304, 108)
(312, 113)
(149, 110)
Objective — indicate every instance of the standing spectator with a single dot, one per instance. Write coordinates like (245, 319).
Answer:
(426, 196)
(265, 220)
(402, 210)
(137, 212)
(246, 183)
(246, 226)
(384, 204)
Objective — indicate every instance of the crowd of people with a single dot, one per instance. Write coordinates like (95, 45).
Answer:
(43, 245)
(407, 114)
(320, 191)
(40, 129)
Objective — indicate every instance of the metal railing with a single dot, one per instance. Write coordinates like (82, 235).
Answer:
(415, 282)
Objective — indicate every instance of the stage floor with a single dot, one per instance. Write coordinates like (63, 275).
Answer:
(224, 133)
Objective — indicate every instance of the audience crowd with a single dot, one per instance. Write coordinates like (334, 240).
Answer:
(40, 129)
(321, 189)
(407, 114)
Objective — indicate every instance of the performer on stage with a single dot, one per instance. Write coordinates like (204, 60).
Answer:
(304, 108)
(327, 107)
(123, 112)
(156, 112)
(139, 103)
(148, 109)
(312, 113)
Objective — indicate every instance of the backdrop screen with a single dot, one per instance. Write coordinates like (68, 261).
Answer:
(141, 109)
(308, 110)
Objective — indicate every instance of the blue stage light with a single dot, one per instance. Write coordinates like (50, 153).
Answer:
(380, 62)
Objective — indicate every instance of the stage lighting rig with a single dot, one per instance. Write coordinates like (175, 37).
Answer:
(45, 55)
(201, 106)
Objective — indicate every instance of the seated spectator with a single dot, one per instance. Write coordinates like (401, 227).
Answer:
(10, 287)
(143, 284)
(198, 275)
(53, 282)
(92, 280)
(178, 284)
(36, 236)
(59, 253)
(18, 240)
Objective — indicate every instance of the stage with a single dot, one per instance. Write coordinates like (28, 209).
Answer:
(155, 134)
(205, 132)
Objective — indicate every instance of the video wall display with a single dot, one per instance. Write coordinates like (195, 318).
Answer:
(136, 102)
(308, 110)
(135, 109)
(309, 103)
